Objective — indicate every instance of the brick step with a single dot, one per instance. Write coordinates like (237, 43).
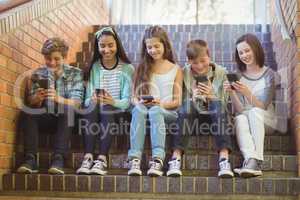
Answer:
(194, 173)
(275, 142)
(145, 184)
(179, 44)
(192, 28)
(190, 161)
(228, 38)
(28, 195)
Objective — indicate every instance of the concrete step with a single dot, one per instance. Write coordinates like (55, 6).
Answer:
(190, 161)
(144, 184)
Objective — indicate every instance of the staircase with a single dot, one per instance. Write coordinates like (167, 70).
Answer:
(279, 181)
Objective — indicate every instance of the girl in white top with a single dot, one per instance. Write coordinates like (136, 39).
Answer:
(251, 97)
(159, 78)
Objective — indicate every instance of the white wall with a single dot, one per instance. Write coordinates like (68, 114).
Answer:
(184, 11)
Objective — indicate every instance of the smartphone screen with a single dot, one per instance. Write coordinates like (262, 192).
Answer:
(43, 83)
(232, 77)
(201, 79)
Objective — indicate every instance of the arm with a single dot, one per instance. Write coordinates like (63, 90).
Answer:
(246, 92)
(75, 93)
(36, 95)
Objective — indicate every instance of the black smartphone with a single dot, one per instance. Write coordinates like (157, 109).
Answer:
(232, 77)
(101, 92)
(43, 83)
(147, 98)
(201, 79)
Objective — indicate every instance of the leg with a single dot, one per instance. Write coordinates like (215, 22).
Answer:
(91, 128)
(257, 128)
(30, 127)
(244, 137)
(158, 132)
(64, 130)
(222, 138)
(220, 129)
(107, 121)
(137, 131)
(179, 137)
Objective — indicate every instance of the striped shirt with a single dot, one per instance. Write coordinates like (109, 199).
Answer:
(111, 81)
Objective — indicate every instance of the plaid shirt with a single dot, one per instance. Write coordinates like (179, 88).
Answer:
(69, 85)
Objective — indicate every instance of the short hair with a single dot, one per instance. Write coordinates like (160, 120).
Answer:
(55, 44)
(195, 48)
(256, 47)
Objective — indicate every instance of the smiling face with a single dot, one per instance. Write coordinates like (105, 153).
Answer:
(201, 63)
(155, 48)
(54, 60)
(245, 53)
(107, 47)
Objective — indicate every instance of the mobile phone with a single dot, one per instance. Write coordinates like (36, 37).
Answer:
(147, 98)
(43, 83)
(201, 79)
(100, 91)
(232, 77)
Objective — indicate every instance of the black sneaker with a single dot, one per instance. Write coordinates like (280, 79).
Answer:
(57, 164)
(29, 166)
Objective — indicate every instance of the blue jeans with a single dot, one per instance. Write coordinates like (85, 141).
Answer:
(100, 123)
(158, 117)
(215, 118)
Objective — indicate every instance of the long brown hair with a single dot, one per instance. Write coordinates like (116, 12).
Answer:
(121, 54)
(143, 72)
(256, 47)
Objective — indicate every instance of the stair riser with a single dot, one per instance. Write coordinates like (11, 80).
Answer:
(183, 185)
(273, 143)
(190, 161)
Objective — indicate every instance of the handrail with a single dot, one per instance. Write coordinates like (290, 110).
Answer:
(283, 25)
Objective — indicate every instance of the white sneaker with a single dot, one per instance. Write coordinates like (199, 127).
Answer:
(85, 165)
(156, 166)
(134, 167)
(174, 167)
(99, 167)
(251, 168)
(237, 171)
(225, 169)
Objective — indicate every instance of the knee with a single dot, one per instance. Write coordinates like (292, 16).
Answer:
(255, 111)
(106, 108)
(240, 119)
(154, 111)
(140, 111)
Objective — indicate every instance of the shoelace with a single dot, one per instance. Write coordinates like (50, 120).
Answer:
(86, 163)
(134, 164)
(155, 165)
(224, 164)
(99, 164)
(174, 164)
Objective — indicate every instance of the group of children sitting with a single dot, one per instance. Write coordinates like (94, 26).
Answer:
(158, 92)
